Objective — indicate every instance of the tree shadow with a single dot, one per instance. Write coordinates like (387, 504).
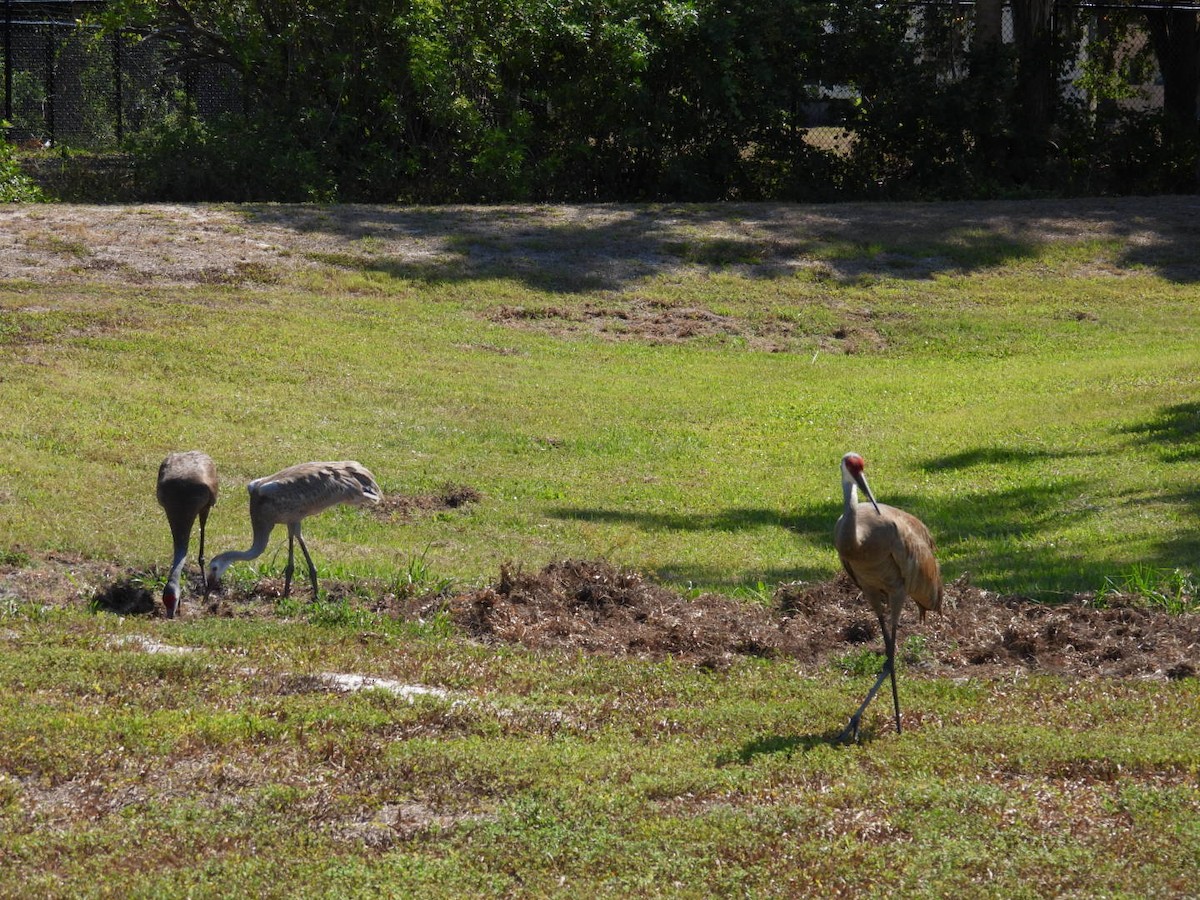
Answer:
(982, 456)
(999, 536)
(813, 524)
(802, 521)
(583, 248)
(1173, 431)
(1167, 242)
(987, 533)
(578, 249)
(1182, 547)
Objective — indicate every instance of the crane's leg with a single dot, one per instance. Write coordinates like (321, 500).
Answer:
(291, 563)
(203, 522)
(889, 643)
(312, 570)
(850, 732)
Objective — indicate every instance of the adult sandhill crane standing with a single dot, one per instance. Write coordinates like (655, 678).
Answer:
(889, 554)
(290, 496)
(187, 489)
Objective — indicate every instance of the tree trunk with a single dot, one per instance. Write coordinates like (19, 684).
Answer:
(1035, 75)
(989, 34)
(1176, 40)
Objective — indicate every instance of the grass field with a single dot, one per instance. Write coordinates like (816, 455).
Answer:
(666, 388)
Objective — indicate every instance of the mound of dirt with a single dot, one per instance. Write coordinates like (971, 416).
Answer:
(595, 607)
(402, 507)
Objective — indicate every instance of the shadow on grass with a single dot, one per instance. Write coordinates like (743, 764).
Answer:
(789, 745)
(589, 248)
(1002, 537)
(989, 534)
(810, 521)
(1173, 431)
(573, 249)
(983, 456)
(814, 525)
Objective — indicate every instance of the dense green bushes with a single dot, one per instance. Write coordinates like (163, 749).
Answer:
(616, 100)
(15, 185)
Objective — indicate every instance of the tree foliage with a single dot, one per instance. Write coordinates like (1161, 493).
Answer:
(15, 185)
(608, 100)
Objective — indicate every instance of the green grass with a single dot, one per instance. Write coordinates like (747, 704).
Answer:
(560, 775)
(1031, 396)
(1029, 413)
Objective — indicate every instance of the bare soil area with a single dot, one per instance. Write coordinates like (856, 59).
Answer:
(565, 247)
(594, 607)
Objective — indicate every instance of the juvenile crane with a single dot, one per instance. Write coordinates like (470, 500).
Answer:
(889, 554)
(290, 496)
(187, 489)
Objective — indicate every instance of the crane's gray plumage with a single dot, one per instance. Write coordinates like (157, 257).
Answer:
(290, 496)
(889, 554)
(187, 489)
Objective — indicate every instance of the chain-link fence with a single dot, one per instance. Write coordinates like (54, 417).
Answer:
(67, 83)
(73, 85)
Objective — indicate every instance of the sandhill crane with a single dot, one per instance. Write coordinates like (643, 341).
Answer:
(290, 496)
(889, 554)
(187, 488)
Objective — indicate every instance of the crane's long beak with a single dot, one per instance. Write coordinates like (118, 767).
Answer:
(861, 480)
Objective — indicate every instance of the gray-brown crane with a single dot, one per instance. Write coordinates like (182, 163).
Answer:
(290, 496)
(187, 489)
(889, 554)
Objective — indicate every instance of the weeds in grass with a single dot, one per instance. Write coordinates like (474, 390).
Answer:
(14, 608)
(17, 559)
(324, 612)
(914, 650)
(861, 662)
(418, 578)
(1172, 590)
(759, 592)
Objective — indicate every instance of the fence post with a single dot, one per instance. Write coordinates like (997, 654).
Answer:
(120, 104)
(8, 60)
(50, 87)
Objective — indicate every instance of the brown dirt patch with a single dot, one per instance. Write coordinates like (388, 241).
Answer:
(656, 322)
(649, 321)
(404, 507)
(594, 607)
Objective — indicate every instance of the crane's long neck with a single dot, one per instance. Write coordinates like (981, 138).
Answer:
(181, 550)
(849, 495)
(262, 536)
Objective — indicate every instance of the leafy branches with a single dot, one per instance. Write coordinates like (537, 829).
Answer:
(422, 100)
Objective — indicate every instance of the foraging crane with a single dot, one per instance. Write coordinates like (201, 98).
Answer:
(290, 496)
(187, 489)
(889, 554)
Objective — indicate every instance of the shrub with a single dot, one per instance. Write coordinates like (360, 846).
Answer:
(15, 185)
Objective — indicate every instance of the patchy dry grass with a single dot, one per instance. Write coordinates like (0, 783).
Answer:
(474, 706)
